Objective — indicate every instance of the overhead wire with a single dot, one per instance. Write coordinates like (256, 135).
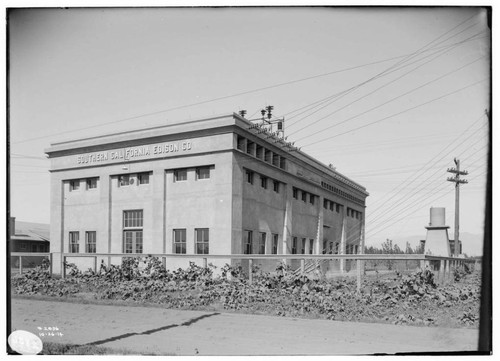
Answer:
(380, 105)
(342, 93)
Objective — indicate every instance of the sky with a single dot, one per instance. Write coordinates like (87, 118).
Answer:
(388, 96)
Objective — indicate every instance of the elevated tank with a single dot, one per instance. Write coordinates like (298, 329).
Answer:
(438, 217)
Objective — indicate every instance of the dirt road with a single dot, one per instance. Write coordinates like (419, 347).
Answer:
(176, 332)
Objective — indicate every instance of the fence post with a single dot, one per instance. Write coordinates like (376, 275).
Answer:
(441, 272)
(95, 264)
(164, 262)
(63, 270)
(302, 266)
(50, 263)
(20, 264)
(447, 270)
(205, 263)
(358, 276)
(250, 271)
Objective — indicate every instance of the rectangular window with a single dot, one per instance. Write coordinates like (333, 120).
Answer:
(249, 177)
(132, 219)
(33, 248)
(311, 246)
(311, 198)
(282, 162)
(124, 180)
(143, 178)
(91, 183)
(180, 175)
(294, 245)
(132, 231)
(303, 246)
(331, 206)
(250, 147)
(74, 185)
(337, 208)
(304, 196)
(263, 182)
(247, 242)
(276, 160)
(295, 193)
(23, 247)
(90, 241)
(325, 203)
(262, 243)
(241, 141)
(268, 156)
(275, 244)
(180, 241)
(74, 238)
(202, 241)
(259, 152)
(276, 186)
(203, 173)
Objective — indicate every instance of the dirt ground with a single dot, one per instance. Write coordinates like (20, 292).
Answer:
(146, 330)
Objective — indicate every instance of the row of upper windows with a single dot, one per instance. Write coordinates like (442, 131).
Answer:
(328, 204)
(353, 213)
(304, 195)
(260, 152)
(139, 178)
(341, 193)
(181, 175)
(90, 183)
(264, 181)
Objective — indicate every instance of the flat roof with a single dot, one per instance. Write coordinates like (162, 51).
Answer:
(201, 125)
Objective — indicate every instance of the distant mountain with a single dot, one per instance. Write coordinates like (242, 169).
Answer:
(472, 244)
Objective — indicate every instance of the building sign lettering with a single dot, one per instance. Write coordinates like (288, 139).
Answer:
(144, 151)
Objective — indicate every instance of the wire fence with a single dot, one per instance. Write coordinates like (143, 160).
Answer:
(321, 266)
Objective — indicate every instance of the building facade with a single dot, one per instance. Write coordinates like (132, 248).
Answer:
(216, 186)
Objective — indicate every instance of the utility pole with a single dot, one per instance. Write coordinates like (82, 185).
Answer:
(457, 182)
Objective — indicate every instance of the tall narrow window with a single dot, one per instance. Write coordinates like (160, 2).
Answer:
(311, 246)
(276, 186)
(304, 196)
(132, 231)
(90, 241)
(247, 242)
(275, 244)
(202, 241)
(294, 245)
(180, 175)
(203, 173)
(311, 198)
(74, 185)
(91, 183)
(250, 177)
(180, 241)
(303, 248)
(262, 243)
(74, 238)
(295, 193)
(325, 203)
(263, 182)
(143, 178)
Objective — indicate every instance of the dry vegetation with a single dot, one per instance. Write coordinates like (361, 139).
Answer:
(412, 299)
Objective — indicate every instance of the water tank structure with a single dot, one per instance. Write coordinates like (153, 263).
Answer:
(437, 242)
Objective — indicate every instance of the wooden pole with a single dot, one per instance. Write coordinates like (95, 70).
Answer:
(250, 271)
(358, 275)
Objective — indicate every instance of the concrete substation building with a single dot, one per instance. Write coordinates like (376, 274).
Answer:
(216, 186)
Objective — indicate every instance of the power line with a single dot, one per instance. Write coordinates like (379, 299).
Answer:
(399, 113)
(390, 100)
(232, 95)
